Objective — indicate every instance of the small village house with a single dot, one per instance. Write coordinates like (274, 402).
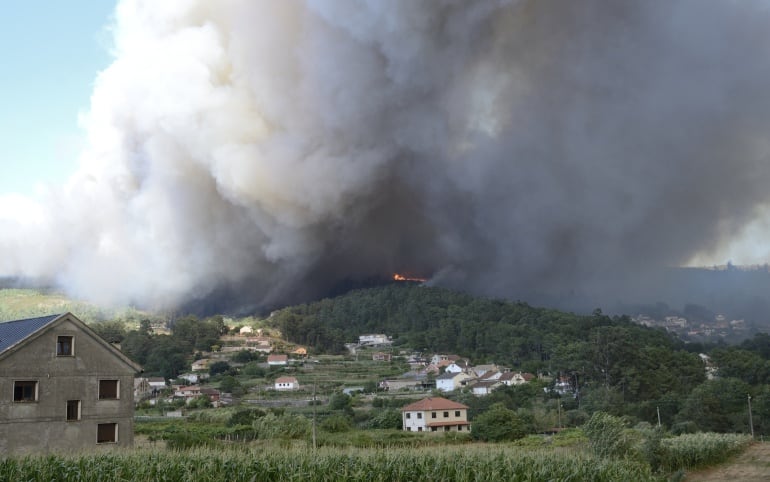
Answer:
(286, 383)
(485, 387)
(188, 392)
(448, 382)
(62, 388)
(381, 356)
(516, 378)
(245, 330)
(435, 414)
(277, 360)
(457, 366)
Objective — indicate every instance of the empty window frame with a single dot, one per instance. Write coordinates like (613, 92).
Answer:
(64, 346)
(73, 410)
(106, 433)
(25, 391)
(446, 414)
(457, 413)
(419, 414)
(432, 414)
(408, 415)
(108, 389)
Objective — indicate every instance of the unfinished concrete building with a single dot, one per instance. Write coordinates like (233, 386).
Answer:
(62, 388)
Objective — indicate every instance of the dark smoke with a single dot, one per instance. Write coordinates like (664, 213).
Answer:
(542, 150)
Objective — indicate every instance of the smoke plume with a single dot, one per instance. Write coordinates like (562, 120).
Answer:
(510, 148)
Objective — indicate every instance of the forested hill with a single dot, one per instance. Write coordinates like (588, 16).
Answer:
(440, 320)
(512, 334)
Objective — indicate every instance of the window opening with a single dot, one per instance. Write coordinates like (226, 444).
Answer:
(25, 391)
(73, 410)
(64, 346)
(106, 433)
(108, 389)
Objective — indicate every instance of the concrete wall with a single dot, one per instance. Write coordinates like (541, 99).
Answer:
(42, 426)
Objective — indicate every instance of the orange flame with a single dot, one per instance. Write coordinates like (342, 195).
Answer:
(399, 277)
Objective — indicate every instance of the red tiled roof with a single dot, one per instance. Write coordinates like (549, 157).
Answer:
(444, 424)
(285, 380)
(433, 403)
(277, 358)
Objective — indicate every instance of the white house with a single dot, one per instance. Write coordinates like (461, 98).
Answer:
(277, 360)
(286, 383)
(449, 381)
(188, 392)
(485, 387)
(482, 369)
(516, 378)
(435, 414)
(246, 330)
(457, 366)
(374, 340)
(193, 378)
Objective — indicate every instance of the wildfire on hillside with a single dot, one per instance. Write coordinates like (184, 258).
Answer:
(400, 277)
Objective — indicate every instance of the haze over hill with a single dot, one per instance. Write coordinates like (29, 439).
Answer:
(248, 155)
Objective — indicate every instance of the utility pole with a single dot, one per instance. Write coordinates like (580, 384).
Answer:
(751, 422)
(658, 408)
(314, 405)
(558, 407)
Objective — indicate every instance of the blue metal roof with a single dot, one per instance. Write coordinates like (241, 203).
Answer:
(12, 332)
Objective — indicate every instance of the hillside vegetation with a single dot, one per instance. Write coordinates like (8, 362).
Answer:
(610, 363)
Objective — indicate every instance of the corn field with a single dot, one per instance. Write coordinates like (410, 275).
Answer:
(481, 463)
(700, 449)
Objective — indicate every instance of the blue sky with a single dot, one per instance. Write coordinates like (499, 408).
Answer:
(51, 52)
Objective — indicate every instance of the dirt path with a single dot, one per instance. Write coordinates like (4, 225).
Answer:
(751, 466)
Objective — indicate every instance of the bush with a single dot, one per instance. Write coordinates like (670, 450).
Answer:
(245, 417)
(218, 368)
(335, 424)
(253, 369)
(498, 424)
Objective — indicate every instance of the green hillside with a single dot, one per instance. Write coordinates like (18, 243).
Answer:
(17, 304)
(609, 363)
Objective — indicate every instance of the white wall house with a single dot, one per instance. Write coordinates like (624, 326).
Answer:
(449, 381)
(286, 383)
(435, 414)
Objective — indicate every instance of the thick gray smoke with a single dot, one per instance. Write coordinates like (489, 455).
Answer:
(513, 148)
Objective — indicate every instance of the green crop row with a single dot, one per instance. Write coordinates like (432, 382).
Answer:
(700, 449)
(446, 464)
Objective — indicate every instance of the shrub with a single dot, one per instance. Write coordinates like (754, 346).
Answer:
(218, 368)
(335, 424)
(498, 424)
(245, 417)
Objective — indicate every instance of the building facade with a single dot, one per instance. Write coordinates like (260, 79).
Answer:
(435, 414)
(62, 388)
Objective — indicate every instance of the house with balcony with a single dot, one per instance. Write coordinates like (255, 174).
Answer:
(435, 414)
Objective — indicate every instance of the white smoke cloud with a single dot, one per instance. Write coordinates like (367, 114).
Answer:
(275, 148)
